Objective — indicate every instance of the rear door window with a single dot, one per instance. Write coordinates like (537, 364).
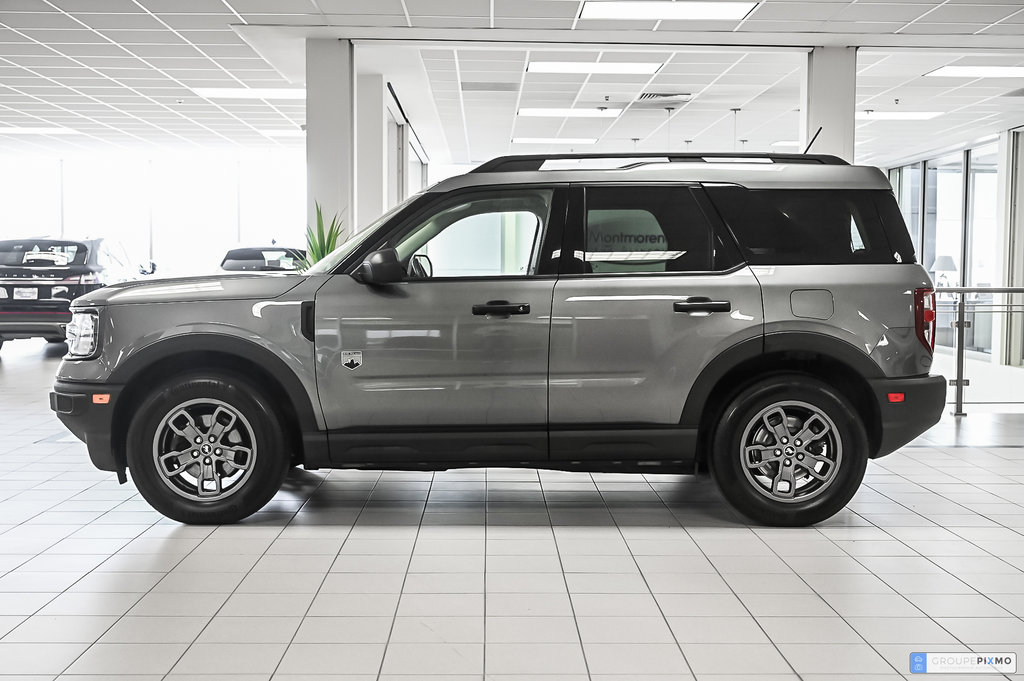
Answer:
(812, 226)
(654, 228)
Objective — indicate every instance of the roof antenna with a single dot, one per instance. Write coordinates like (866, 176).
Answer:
(813, 138)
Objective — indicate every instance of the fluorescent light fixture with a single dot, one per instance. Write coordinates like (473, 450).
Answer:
(284, 132)
(662, 9)
(250, 92)
(620, 68)
(978, 72)
(786, 143)
(38, 131)
(897, 115)
(554, 140)
(571, 113)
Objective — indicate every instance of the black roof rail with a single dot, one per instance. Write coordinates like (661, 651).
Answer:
(530, 162)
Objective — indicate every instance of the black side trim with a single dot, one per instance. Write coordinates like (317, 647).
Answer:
(307, 319)
(772, 343)
(419, 448)
(921, 408)
(624, 444)
(802, 341)
(208, 342)
(709, 377)
(89, 422)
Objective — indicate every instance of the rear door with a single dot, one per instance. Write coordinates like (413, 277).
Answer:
(651, 294)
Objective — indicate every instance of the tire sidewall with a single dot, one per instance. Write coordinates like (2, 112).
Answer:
(727, 468)
(268, 471)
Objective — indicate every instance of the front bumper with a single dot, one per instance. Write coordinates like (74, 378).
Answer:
(82, 408)
(924, 398)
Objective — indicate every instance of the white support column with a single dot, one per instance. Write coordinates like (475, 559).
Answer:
(371, 148)
(829, 101)
(330, 129)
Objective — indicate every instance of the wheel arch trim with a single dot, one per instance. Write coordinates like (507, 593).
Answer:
(785, 341)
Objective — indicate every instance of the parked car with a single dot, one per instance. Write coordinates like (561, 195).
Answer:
(265, 259)
(761, 315)
(39, 277)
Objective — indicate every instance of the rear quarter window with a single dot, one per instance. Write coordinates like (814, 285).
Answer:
(814, 226)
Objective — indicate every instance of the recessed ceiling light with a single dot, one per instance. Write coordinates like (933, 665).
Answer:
(284, 132)
(978, 72)
(661, 9)
(250, 93)
(571, 113)
(786, 143)
(897, 115)
(638, 68)
(554, 140)
(38, 131)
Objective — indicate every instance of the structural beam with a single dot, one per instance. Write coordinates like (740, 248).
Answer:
(829, 101)
(330, 129)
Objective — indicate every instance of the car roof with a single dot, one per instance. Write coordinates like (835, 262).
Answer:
(755, 171)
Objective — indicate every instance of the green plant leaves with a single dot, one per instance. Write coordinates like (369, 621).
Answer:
(320, 240)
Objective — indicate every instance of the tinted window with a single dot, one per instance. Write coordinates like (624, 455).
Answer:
(812, 226)
(486, 234)
(263, 260)
(646, 229)
(42, 253)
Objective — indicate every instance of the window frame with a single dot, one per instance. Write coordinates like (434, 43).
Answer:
(551, 233)
(576, 227)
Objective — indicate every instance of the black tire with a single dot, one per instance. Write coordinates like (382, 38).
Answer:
(55, 339)
(214, 396)
(753, 415)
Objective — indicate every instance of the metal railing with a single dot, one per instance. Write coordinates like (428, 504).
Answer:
(965, 304)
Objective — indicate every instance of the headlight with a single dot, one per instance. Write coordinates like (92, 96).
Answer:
(83, 334)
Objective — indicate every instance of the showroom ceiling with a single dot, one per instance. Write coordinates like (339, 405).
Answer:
(121, 74)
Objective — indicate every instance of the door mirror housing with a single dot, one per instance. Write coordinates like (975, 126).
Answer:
(381, 267)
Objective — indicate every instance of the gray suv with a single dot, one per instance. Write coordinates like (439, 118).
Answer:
(760, 315)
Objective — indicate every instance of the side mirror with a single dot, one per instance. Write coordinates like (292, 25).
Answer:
(381, 267)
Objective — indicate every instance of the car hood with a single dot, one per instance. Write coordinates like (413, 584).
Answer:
(193, 289)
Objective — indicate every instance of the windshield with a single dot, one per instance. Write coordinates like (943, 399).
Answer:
(42, 253)
(332, 259)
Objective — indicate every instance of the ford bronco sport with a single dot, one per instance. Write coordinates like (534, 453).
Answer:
(762, 315)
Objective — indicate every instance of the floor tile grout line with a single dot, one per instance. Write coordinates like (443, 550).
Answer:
(917, 553)
(650, 591)
(718, 572)
(944, 570)
(565, 581)
(348, 534)
(137, 600)
(405, 576)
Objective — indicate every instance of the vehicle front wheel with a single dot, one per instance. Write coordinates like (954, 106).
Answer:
(789, 450)
(207, 449)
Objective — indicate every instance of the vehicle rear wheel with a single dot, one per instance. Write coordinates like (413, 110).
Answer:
(207, 449)
(789, 450)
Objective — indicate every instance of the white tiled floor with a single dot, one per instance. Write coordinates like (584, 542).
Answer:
(497, 574)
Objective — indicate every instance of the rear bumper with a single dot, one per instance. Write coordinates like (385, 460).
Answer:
(90, 420)
(46, 318)
(924, 398)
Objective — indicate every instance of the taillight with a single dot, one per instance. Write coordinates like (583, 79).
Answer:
(81, 279)
(924, 316)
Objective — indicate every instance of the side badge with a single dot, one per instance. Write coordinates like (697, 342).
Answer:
(351, 359)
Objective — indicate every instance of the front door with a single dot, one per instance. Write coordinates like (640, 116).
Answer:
(655, 292)
(451, 363)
